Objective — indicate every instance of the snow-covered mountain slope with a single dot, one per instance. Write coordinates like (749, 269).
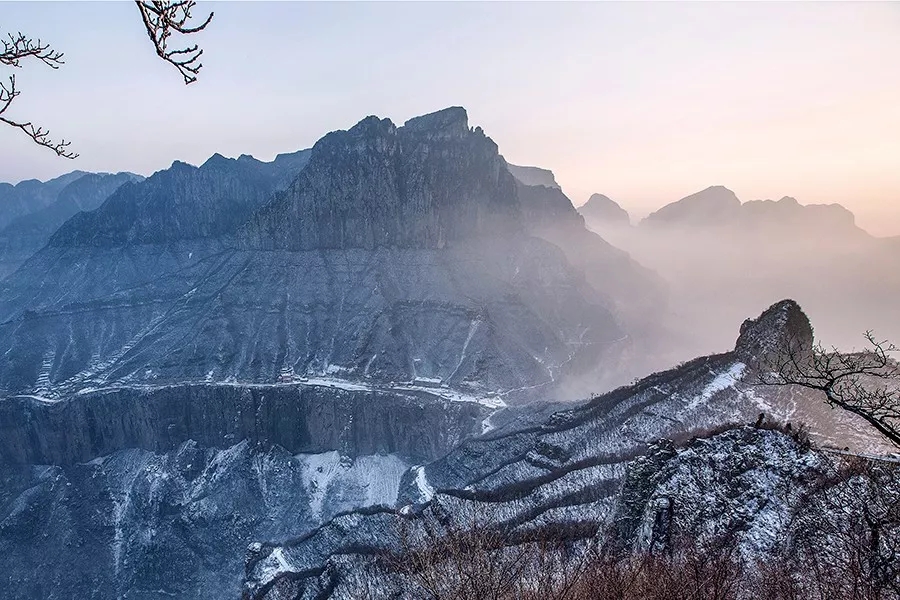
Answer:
(143, 493)
(571, 469)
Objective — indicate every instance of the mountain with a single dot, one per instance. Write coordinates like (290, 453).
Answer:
(601, 211)
(534, 176)
(228, 353)
(28, 233)
(396, 256)
(718, 207)
(601, 464)
(714, 206)
(31, 195)
(720, 257)
(149, 491)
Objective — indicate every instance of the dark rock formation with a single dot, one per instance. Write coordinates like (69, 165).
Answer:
(300, 418)
(427, 184)
(783, 327)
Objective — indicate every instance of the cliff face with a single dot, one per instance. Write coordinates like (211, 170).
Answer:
(299, 418)
(428, 183)
(148, 492)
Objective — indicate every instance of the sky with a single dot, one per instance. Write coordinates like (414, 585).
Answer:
(644, 102)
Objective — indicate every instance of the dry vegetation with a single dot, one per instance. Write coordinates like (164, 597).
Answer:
(843, 543)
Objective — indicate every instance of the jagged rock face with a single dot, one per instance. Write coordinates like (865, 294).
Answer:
(299, 418)
(759, 476)
(31, 195)
(602, 211)
(180, 203)
(783, 327)
(28, 233)
(141, 493)
(533, 176)
(145, 525)
(424, 185)
(402, 254)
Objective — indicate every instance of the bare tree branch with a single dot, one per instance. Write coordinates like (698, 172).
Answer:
(16, 48)
(865, 383)
(161, 19)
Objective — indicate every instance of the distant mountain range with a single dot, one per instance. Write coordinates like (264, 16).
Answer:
(32, 211)
(721, 257)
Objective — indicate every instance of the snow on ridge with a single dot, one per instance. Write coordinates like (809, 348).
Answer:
(721, 382)
(426, 491)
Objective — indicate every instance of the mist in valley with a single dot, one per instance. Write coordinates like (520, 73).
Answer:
(723, 260)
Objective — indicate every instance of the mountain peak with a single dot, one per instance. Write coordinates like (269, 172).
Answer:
(428, 183)
(712, 205)
(782, 326)
(449, 121)
(603, 210)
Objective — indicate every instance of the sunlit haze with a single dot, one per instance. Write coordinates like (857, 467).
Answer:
(643, 102)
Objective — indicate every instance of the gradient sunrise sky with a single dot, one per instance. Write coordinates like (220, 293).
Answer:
(644, 102)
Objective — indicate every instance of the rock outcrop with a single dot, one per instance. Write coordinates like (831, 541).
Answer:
(783, 327)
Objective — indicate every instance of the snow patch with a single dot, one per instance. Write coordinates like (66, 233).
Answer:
(331, 479)
(721, 382)
(426, 492)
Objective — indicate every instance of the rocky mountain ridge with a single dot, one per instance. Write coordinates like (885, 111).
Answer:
(718, 206)
(581, 469)
(397, 254)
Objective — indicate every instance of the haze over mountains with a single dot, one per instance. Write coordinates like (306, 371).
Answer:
(240, 352)
(721, 257)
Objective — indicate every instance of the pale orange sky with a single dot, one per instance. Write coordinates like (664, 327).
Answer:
(644, 102)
